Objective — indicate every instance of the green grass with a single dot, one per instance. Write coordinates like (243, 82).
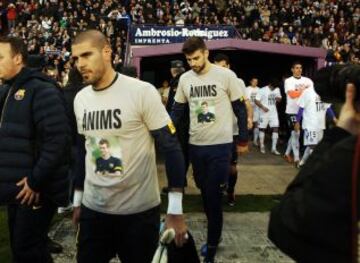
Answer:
(5, 255)
(192, 203)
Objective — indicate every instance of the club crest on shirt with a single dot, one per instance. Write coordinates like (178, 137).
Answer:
(20, 94)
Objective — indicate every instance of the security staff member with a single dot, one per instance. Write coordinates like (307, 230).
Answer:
(34, 139)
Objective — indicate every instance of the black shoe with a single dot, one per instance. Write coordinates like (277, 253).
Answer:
(54, 247)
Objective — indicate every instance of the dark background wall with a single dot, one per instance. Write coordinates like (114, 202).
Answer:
(245, 64)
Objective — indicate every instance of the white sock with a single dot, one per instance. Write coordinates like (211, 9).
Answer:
(274, 137)
(308, 151)
(262, 138)
(289, 145)
(256, 134)
(296, 145)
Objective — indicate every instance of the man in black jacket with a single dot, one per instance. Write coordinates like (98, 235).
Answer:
(313, 221)
(34, 139)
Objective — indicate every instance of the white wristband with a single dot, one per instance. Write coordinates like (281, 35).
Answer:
(77, 198)
(175, 203)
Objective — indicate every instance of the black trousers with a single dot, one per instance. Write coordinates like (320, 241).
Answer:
(133, 238)
(8, 193)
(211, 169)
(28, 227)
(233, 176)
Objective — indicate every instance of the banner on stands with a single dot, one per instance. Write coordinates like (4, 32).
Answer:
(157, 35)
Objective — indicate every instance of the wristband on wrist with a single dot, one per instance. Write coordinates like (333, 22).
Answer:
(175, 203)
(77, 198)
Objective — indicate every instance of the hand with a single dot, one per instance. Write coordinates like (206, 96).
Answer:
(265, 109)
(177, 222)
(249, 123)
(349, 119)
(242, 149)
(297, 127)
(27, 195)
(76, 215)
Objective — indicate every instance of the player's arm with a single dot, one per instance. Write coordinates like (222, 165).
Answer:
(250, 113)
(278, 97)
(79, 176)
(291, 91)
(249, 109)
(260, 105)
(163, 131)
(236, 89)
(167, 143)
(331, 115)
(177, 112)
(239, 110)
(180, 103)
(294, 94)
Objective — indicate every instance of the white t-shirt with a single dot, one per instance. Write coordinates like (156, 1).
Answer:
(314, 115)
(251, 94)
(293, 83)
(267, 98)
(209, 96)
(118, 120)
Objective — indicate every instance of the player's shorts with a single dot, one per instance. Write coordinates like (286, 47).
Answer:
(312, 137)
(234, 155)
(256, 114)
(291, 120)
(271, 120)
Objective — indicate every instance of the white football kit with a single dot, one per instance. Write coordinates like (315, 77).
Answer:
(267, 98)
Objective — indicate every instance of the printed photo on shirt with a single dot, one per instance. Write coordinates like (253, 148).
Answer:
(205, 112)
(107, 157)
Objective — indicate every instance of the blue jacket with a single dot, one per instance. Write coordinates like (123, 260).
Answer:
(35, 135)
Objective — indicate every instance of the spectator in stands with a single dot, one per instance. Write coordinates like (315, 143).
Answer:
(38, 172)
(306, 23)
(11, 15)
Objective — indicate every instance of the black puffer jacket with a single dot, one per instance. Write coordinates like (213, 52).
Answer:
(312, 223)
(35, 135)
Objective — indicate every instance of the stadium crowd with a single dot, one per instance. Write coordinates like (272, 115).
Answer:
(48, 26)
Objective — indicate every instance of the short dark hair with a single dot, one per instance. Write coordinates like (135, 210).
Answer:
(296, 63)
(97, 38)
(220, 57)
(204, 103)
(104, 141)
(274, 82)
(192, 44)
(17, 46)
